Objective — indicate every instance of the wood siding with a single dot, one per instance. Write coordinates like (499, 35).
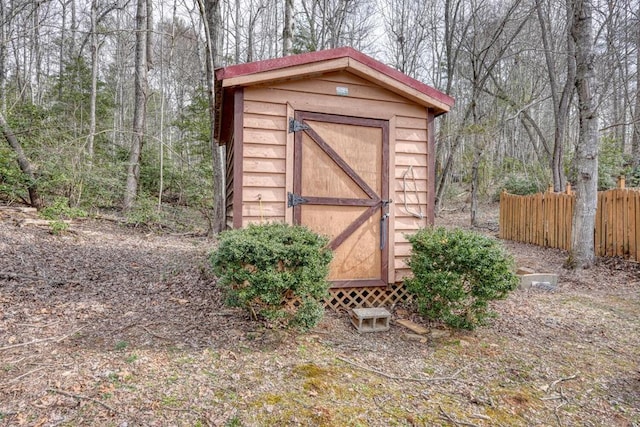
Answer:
(265, 149)
(238, 153)
(265, 136)
(411, 185)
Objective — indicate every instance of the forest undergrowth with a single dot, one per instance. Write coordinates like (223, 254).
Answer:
(112, 325)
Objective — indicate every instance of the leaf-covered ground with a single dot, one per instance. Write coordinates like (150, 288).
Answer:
(112, 326)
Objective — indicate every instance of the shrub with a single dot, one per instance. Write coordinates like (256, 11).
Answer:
(521, 185)
(144, 212)
(456, 273)
(12, 182)
(633, 176)
(58, 227)
(610, 162)
(262, 268)
(60, 210)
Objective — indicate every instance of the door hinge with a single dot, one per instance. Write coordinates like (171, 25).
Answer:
(295, 200)
(296, 126)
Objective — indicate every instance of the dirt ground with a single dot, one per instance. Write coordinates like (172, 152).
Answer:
(112, 326)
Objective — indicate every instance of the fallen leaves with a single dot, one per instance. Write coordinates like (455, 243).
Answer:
(115, 327)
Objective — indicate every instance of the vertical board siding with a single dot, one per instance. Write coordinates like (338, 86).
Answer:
(265, 147)
(544, 219)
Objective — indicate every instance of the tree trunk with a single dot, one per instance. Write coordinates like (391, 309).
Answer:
(250, 45)
(63, 33)
(475, 182)
(3, 56)
(74, 30)
(23, 162)
(36, 55)
(211, 18)
(483, 71)
(287, 31)
(140, 107)
(149, 34)
(582, 232)
(94, 81)
(238, 27)
(561, 100)
(635, 140)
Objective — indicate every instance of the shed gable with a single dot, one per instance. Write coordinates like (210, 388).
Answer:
(326, 61)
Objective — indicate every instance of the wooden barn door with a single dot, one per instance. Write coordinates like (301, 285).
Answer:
(341, 189)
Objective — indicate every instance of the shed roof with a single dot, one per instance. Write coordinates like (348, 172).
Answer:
(343, 58)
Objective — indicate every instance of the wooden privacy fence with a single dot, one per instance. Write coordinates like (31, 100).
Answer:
(544, 219)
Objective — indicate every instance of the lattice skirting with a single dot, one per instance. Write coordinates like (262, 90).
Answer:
(346, 298)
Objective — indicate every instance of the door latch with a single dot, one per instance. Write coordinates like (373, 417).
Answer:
(383, 223)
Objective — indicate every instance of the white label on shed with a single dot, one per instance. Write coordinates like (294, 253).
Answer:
(342, 91)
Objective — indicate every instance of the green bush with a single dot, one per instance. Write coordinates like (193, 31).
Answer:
(262, 268)
(13, 183)
(144, 212)
(60, 210)
(58, 227)
(456, 273)
(633, 176)
(521, 185)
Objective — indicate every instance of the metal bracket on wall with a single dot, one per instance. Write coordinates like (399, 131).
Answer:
(295, 200)
(296, 126)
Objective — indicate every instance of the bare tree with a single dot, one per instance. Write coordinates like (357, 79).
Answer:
(140, 108)
(324, 24)
(149, 34)
(36, 56)
(94, 80)
(287, 32)
(3, 55)
(635, 140)
(211, 18)
(407, 34)
(254, 15)
(582, 235)
(94, 47)
(480, 51)
(561, 97)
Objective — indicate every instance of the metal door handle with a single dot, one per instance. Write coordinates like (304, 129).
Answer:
(383, 230)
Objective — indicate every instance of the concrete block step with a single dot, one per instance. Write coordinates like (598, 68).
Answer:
(546, 280)
(370, 319)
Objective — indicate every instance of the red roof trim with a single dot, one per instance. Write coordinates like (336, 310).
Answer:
(284, 62)
(324, 55)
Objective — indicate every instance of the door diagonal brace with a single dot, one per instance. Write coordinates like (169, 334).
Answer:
(342, 164)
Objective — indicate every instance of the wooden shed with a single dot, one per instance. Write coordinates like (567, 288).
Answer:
(341, 143)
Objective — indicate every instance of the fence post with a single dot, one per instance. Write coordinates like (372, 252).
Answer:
(503, 214)
(568, 189)
(621, 182)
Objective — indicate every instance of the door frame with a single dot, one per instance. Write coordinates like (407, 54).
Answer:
(374, 203)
